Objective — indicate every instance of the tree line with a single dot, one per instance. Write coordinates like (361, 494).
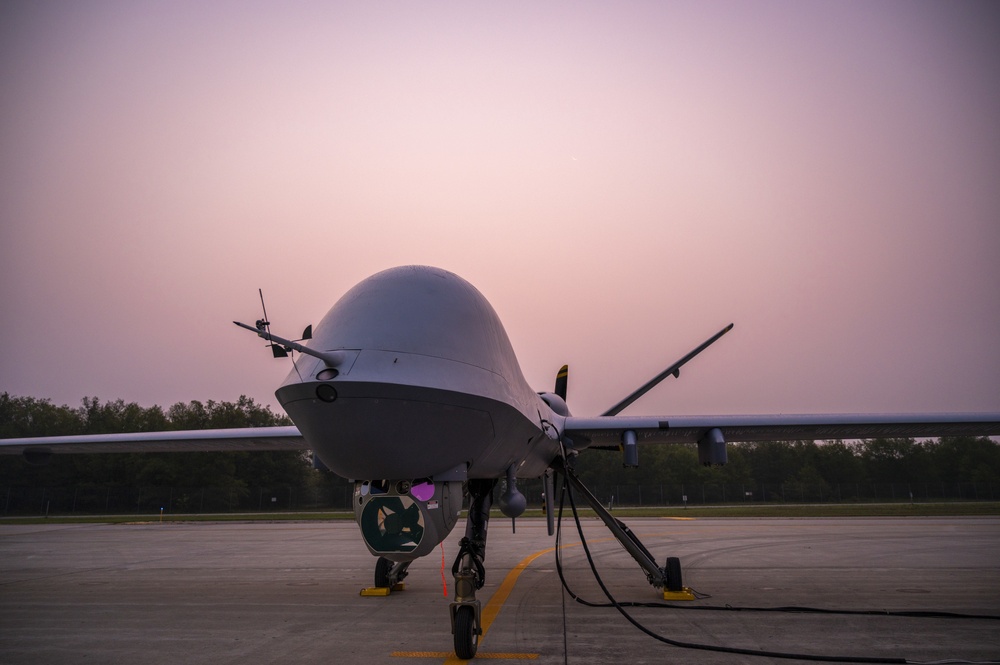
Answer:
(248, 479)
(231, 475)
(965, 468)
(827, 463)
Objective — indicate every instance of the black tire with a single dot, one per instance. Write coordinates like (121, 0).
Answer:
(674, 581)
(382, 568)
(466, 639)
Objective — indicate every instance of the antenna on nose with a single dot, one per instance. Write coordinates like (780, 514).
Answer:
(281, 347)
(263, 325)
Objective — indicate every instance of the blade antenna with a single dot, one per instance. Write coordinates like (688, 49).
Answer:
(277, 350)
(264, 324)
(264, 308)
(674, 369)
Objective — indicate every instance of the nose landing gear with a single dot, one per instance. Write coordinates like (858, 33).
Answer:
(469, 571)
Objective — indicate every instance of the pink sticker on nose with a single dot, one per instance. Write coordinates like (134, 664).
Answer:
(423, 491)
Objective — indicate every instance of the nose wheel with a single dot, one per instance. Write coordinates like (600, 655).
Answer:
(466, 633)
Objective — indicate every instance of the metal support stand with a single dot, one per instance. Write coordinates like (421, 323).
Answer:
(657, 576)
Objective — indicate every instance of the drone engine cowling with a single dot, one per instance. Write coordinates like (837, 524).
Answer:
(402, 520)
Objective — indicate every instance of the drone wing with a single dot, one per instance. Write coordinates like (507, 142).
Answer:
(711, 433)
(242, 438)
(608, 431)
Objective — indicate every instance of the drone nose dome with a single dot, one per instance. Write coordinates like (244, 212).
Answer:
(422, 310)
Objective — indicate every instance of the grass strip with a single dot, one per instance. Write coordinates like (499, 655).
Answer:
(947, 509)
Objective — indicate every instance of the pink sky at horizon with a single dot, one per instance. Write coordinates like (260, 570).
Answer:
(620, 181)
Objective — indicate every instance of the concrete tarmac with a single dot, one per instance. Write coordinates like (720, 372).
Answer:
(289, 593)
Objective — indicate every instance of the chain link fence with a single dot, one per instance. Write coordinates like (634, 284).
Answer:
(151, 500)
(859, 492)
(102, 500)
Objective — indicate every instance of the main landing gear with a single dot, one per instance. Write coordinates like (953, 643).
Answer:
(667, 578)
(469, 571)
(389, 574)
(388, 577)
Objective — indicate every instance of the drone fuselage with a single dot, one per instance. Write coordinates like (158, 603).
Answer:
(426, 385)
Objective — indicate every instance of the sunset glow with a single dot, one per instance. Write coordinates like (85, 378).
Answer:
(619, 180)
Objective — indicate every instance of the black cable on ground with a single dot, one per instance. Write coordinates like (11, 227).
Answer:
(567, 491)
(565, 632)
(788, 609)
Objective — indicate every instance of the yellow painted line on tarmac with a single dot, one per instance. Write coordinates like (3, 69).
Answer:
(493, 607)
(481, 654)
(500, 596)
(489, 613)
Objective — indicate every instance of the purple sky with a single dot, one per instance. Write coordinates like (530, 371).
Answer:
(619, 179)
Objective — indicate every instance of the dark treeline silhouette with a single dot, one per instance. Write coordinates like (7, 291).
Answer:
(874, 469)
(870, 469)
(880, 461)
(197, 482)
